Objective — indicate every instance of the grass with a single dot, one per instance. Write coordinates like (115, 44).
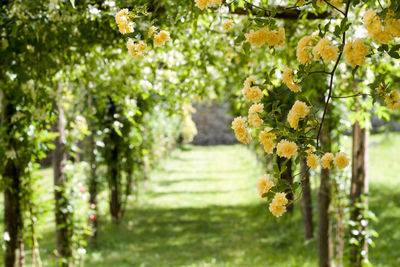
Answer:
(201, 208)
(384, 178)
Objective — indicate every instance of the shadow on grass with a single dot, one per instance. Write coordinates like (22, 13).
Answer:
(198, 180)
(216, 235)
(385, 203)
(231, 236)
(185, 148)
(177, 193)
(226, 236)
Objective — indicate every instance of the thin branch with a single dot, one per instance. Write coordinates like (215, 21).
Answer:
(255, 6)
(379, 2)
(348, 96)
(337, 9)
(298, 197)
(301, 173)
(296, 6)
(332, 76)
(303, 177)
(282, 12)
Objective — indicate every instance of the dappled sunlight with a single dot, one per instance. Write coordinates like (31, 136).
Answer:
(184, 236)
(221, 175)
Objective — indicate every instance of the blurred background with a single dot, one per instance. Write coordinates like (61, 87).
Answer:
(112, 160)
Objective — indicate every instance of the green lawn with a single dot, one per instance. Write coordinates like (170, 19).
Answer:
(384, 163)
(201, 208)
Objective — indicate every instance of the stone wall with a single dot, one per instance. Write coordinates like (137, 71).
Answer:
(213, 124)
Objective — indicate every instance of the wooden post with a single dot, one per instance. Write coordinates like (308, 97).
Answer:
(63, 235)
(359, 187)
(324, 200)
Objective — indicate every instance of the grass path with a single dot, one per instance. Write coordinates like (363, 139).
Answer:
(201, 208)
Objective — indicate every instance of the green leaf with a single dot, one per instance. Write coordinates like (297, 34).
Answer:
(354, 241)
(320, 33)
(272, 72)
(281, 187)
(314, 4)
(394, 54)
(246, 48)
(240, 39)
(337, 31)
(343, 22)
(396, 47)
(118, 131)
(284, 167)
(269, 195)
(273, 11)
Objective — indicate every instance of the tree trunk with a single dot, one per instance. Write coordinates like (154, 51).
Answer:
(93, 174)
(113, 170)
(306, 201)
(115, 198)
(13, 219)
(288, 176)
(128, 186)
(324, 199)
(63, 235)
(359, 187)
(13, 222)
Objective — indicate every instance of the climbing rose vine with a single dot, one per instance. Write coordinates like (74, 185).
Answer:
(321, 49)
